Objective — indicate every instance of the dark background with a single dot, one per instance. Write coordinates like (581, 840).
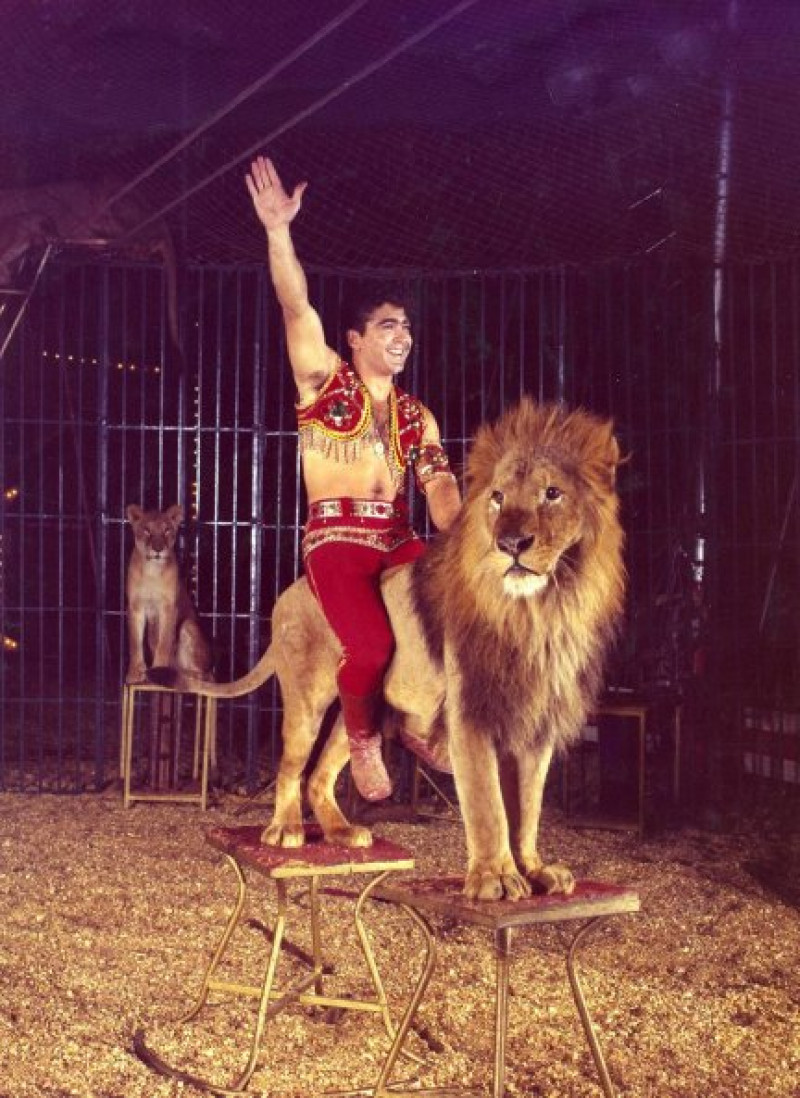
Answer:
(518, 132)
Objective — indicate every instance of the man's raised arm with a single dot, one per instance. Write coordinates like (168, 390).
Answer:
(312, 360)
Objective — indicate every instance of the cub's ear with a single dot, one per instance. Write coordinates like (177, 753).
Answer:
(134, 512)
(175, 513)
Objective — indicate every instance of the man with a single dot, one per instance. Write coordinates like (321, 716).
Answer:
(358, 433)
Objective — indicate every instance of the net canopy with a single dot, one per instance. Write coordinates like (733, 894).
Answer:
(435, 134)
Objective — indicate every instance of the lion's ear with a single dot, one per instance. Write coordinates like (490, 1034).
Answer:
(175, 514)
(608, 453)
(133, 512)
(613, 451)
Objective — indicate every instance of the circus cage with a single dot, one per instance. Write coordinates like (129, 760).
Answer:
(100, 410)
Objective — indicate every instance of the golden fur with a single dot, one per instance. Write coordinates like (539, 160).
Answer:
(501, 632)
(160, 610)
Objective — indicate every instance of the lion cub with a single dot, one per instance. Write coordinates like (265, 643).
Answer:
(159, 606)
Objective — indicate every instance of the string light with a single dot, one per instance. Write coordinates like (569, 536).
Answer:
(130, 367)
(7, 644)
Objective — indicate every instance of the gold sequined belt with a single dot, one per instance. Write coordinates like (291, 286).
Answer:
(356, 508)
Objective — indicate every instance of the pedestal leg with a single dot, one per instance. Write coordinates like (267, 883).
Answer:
(233, 922)
(266, 988)
(502, 947)
(583, 1010)
(382, 1089)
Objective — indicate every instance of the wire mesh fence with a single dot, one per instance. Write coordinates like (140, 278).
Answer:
(100, 410)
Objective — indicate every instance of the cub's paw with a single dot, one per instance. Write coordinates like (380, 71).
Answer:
(285, 835)
(490, 884)
(553, 878)
(136, 675)
(350, 835)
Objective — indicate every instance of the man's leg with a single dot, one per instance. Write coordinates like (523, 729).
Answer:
(404, 554)
(346, 580)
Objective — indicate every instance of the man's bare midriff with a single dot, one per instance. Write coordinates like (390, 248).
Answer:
(366, 478)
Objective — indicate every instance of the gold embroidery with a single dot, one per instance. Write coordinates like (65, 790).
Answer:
(366, 436)
(358, 508)
(431, 462)
(340, 423)
(426, 483)
(384, 540)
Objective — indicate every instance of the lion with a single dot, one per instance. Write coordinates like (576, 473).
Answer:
(501, 627)
(160, 609)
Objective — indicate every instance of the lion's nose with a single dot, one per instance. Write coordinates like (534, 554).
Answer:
(514, 544)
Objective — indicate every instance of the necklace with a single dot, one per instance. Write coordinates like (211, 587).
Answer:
(380, 430)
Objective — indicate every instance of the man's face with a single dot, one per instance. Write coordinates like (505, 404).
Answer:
(385, 344)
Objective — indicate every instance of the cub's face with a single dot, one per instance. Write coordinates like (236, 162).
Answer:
(532, 512)
(155, 531)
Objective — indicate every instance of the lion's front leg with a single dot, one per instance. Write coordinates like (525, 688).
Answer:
(137, 668)
(492, 873)
(322, 792)
(532, 769)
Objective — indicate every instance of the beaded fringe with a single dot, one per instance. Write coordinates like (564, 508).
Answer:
(346, 450)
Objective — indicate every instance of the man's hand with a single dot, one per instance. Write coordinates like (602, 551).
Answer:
(272, 204)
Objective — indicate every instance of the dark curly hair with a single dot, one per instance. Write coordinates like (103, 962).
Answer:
(359, 305)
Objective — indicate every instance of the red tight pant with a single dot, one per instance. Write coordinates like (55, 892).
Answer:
(346, 580)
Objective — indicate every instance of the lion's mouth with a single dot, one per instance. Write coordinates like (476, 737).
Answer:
(519, 569)
(522, 582)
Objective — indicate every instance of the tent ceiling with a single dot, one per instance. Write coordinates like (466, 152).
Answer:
(516, 133)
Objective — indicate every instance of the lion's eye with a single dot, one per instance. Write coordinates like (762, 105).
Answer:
(551, 493)
(496, 500)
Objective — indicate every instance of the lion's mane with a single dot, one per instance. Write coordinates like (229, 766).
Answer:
(530, 668)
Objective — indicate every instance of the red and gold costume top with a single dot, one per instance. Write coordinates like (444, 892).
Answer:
(340, 424)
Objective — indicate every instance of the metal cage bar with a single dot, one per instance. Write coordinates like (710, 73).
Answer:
(120, 417)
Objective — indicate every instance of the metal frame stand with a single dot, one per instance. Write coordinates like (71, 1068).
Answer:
(203, 748)
(243, 849)
(592, 901)
(638, 713)
(423, 776)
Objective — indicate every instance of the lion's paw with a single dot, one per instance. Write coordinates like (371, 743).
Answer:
(350, 835)
(136, 676)
(554, 878)
(487, 884)
(282, 834)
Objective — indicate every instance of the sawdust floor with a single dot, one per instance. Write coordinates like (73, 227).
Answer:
(108, 916)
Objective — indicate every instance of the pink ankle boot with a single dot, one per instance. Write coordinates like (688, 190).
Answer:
(367, 767)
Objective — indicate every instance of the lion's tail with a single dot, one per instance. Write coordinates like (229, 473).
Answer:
(255, 677)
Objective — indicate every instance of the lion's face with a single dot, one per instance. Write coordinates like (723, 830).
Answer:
(540, 491)
(155, 531)
(532, 510)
